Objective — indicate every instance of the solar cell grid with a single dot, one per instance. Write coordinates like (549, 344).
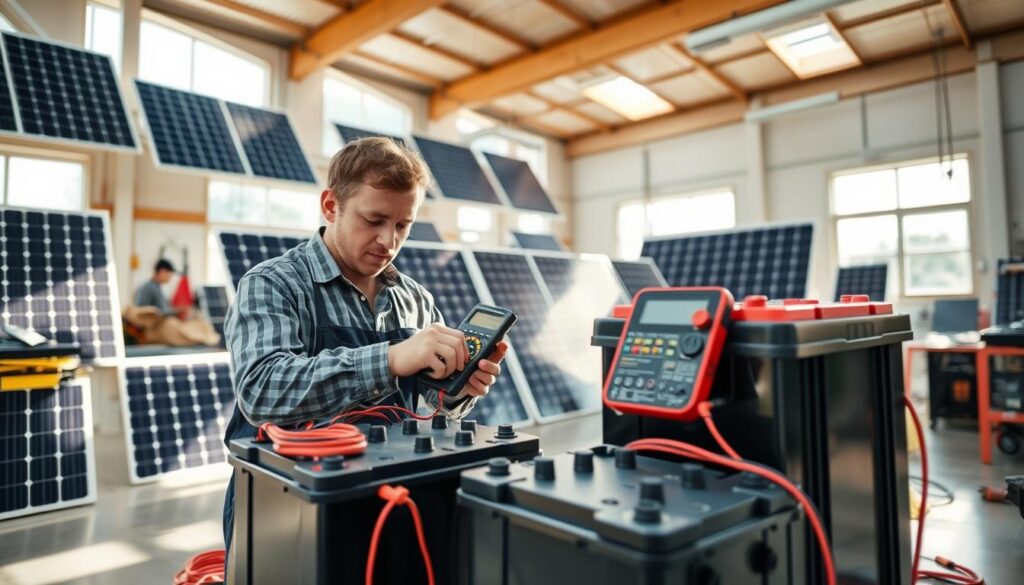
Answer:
(443, 272)
(46, 451)
(537, 242)
(862, 280)
(8, 122)
(270, 144)
(242, 251)
(456, 171)
(58, 279)
(638, 274)
(176, 410)
(521, 186)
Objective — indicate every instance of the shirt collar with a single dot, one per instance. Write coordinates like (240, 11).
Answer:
(326, 269)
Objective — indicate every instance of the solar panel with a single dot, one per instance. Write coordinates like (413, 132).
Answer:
(772, 261)
(175, 411)
(638, 274)
(1009, 291)
(270, 144)
(64, 93)
(8, 119)
(456, 171)
(47, 460)
(559, 380)
(521, 186)
(58, 279)
(350, 134)
(242, 251)
(444, 273)
(424, 231)
(537, 242)
(862, 280)
(215, 303)
(188, 130)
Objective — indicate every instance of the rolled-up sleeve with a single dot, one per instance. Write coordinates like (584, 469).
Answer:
(275, 378)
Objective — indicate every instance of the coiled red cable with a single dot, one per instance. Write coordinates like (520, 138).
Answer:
(202, 569)
(397, 496)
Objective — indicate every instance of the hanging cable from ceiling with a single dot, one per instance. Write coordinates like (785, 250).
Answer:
(943, 112)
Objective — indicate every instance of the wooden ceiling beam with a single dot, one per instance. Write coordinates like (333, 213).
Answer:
(628, 76)
(437, 50)
(346, 32)
(647, 28)
(710, 71)
(602, 125)
(466, 17)
(409, 72)
(958, 21)
(842, 34)
(580, 20)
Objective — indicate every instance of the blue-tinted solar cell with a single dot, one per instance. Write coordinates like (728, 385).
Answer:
(243, 251)
(862, 280)
(57, 279)
(559, 380)
(215, 303)
(7, 120)
(270, 144)
(520, 184)
(772, 261)
(178, 413)
(45, 439)
(188, 130)
(638, 274)
(444, 274)
(456, 171)
(537, 242)
(351, 134)
(1009, 291)
(67, 93)
(424, 231)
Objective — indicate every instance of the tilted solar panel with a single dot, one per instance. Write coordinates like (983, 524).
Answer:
(456, 171)
(862, 280)
(522, 187)
(638, 274)
(242, 251)
(270, 144)
(537, 242)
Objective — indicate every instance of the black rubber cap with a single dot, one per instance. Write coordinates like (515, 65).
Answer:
(468, 425)
(424, 444)
(544, 469)
(333, 463)
(625, 459)
(763, 558)
(694, 477)
(410, 427)
(498, 466)
(652, 488)
(464, 438)
(439, 421)
(377, 434)
(505, 431)
(647, 512)
(583, 462)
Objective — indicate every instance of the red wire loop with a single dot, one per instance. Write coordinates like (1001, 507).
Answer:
(397, 496)
(203, 568)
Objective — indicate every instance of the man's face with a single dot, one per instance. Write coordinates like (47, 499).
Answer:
(163, 276)
(366, 233)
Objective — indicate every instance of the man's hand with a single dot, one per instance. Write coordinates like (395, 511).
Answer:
(440, 349)
(487, 372)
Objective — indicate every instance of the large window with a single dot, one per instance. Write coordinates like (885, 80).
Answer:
(42, 182)
(351, 103)
(474, 223)
(103, 30)
(483, 134)
(170, 56)
(672, 215)
(257, 205)
(915, 217)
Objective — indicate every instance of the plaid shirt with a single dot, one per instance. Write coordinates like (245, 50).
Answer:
(270, 331)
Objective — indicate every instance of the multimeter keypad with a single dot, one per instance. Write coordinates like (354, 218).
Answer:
(473, 343)
(657, 368)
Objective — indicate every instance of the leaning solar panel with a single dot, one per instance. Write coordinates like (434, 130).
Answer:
(444, 273)
(58, 279)
(350, 134)
(537, 242)
(1010, 291)
(8, 122)
(188, 130)
(243, 251)
(215, 304)
(424, 231)
(862, 280)
(456, 171)
(520, 184)
(772, 261)
(270, 144)
(559, 382)
(46, 451)
(176, 409)
(638, 274)
(66, 93)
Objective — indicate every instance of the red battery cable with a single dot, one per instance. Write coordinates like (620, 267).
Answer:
(204, 568)
(397, 496)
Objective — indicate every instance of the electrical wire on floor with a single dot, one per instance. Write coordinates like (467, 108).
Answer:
(946, 495)
(205, 568)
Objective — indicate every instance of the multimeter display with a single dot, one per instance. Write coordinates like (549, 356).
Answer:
(486, 320)
(674, 312)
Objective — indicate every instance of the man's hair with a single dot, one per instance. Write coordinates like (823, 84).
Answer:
(378, 162)
(163, 264)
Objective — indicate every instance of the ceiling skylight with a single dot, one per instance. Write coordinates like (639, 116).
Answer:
(627, 97)
(811, 48)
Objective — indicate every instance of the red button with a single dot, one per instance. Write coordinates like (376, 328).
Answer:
(755, 301)
(636, 349)
(701, 319)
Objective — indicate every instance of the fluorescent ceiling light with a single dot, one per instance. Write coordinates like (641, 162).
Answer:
(627, 97)
(822, 99)
(724, 32)
(811, 48)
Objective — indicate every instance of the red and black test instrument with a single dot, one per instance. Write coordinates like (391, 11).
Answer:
(483, 327)
(665, 362)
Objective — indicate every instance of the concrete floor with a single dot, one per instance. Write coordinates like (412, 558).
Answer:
(143, 534)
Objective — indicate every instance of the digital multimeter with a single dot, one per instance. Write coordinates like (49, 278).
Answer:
(666, 358)
(483, 328)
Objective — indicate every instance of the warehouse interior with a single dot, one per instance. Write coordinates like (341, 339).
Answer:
(797, 226)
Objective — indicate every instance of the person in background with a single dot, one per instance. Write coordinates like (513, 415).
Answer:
(153, 320)
(149, 293)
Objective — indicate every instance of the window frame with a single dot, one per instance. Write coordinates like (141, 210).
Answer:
(326, 124)
(901, 212)
(265, 198)
(645, 202)
(8, 151)
(104, 5)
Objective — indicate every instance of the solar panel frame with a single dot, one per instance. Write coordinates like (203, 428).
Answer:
(233, 278)
(850, 280)
(137, 144)
(117, 340)
(213, 360)
(549, 242)
(798, 287)
(499, 196)
(503, 182)
(63, 402)
(233, 123)
(510, 365)
(632, 288)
